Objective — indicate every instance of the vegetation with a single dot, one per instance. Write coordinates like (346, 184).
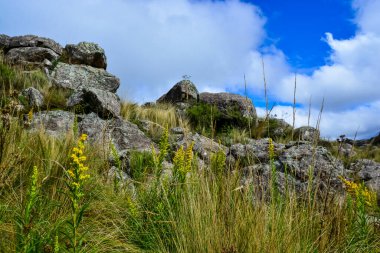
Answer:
(56, 195)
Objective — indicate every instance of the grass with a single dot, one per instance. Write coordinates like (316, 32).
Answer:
(162, 114)
(189, 210)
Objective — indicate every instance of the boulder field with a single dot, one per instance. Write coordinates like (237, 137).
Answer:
(81, 70)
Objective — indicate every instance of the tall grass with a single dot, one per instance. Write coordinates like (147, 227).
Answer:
(162, 114)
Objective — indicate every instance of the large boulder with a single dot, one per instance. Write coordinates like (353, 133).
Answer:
(106, 104)
(33, 41)
(33, 97)
(301, 161)
(368, 171)
(54, 123)
(30, 55)
(124, 135)
(183, 91)
(227, 102)
(85, 53)
(78, 76)
(306, 133)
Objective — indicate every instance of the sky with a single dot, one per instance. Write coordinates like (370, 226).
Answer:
(332, 46)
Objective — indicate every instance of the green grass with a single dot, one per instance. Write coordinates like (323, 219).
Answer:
(190, 211)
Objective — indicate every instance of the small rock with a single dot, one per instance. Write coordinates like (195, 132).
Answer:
(306, 133)
(33, 96)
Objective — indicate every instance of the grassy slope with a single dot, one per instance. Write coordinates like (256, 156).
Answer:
(206, 213)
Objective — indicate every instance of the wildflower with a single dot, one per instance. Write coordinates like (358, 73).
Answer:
(359, 192)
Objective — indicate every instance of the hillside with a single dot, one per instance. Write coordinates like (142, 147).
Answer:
(84, 171)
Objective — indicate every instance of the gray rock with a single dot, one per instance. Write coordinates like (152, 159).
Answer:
(85, 53)
(303, 159)
(34, 41)
(259, 176)
(177, 130)
(33, 96)
(296, 160)
(227, 101)
(203, 146)
(346, 150)
(147, 126)
(124, 181)
(255, 151)
(183, 91)
(306, 133)
(124, 135)
(104, 103)
(369, 172)
(4, 41)
(78, 76)
(54, 123)
(30, 55)
(279, 128)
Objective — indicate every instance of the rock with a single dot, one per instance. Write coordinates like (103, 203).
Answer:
(203, 146)
(183, 91)
(33, 41)
(279, 128)
(85, 53)
(124, 135)
(81, 76)
(255, 151)
(368, 171)
(124, 181)
(295, 161)
(300, 158)
(4, 41)
(104, 103)
(306, 133)
(346, 150)
(148, 126)
(33, 96)
(30, 55)
(259, 177)
(177, 130)
(54, 123)
(225, 102)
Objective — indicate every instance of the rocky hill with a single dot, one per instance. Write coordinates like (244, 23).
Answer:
(91, 103)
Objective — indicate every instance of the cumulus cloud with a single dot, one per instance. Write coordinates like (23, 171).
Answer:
(151, 44)
(349, 82)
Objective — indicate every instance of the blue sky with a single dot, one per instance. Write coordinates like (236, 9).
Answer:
(333, 45)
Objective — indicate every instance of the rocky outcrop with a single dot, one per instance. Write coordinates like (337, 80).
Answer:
(29, 41)
(183, 91)
(106, 104)
(227, 103)
(299, 162)
(124, 135)
(86, 53)
(82, 76)
(30, 55)
(306, 133)
(34, 97)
